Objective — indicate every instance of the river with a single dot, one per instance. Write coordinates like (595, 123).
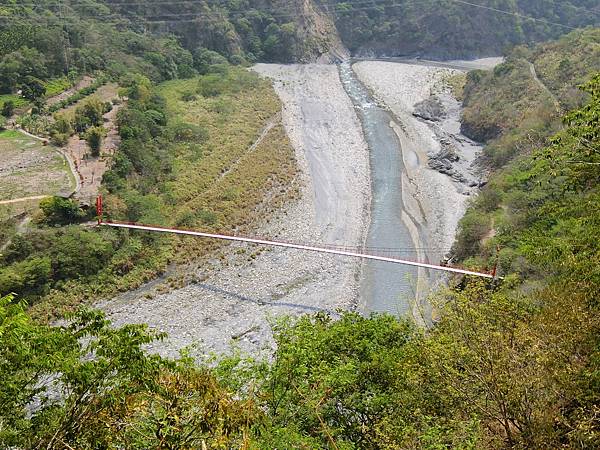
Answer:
(384, 287)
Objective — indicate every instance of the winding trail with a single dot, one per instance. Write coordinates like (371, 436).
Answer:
(23, 199)
(543, 86)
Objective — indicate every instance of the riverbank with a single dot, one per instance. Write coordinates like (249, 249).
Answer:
(234, 299)
(400, 87)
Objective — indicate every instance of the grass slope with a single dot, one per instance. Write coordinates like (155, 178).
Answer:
(512, 111)
(217, 181)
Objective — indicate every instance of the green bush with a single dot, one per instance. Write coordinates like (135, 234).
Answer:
(188, 97)
(94, 137)
(471, 230)
(212, 85)
(89, 114)
(26, 277)
(61, 211)
(79, 253)
(59, 139)
(187, 132)
(8, 108)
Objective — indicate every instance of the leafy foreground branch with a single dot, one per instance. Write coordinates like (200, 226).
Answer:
(500, 369)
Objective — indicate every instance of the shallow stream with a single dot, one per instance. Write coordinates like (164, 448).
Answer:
(384, 287)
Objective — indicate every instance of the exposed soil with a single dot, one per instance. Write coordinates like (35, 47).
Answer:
(30, 169)
(89, 169)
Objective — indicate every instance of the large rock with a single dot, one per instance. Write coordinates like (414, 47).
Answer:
(430, 109)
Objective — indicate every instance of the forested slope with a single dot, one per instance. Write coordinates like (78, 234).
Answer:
(453, 29)
(516, 109)
(512, 365)
(98, 33)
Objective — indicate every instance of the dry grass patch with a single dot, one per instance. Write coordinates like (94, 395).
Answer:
(27, 168)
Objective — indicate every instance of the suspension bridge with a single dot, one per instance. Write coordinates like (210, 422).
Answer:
(326, 249)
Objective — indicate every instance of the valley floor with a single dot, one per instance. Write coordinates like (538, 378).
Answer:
(236, 298)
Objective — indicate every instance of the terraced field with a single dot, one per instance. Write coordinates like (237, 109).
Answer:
(30, 169)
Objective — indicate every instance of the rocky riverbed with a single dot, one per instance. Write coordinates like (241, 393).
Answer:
(438, 159)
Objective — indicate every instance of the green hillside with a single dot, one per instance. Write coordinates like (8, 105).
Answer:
(53, 37)
(518, 105)
(454, 29)
(515, 365)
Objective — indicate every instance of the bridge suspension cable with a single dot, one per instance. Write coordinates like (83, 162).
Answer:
(310, 248)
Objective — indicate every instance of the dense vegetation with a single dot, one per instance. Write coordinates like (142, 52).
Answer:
(515, 115)
(452, 29)
(46, 39)
(175, 166)
(252, 30)
(510, 365)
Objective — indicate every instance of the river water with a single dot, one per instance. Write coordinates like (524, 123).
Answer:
(384, 287)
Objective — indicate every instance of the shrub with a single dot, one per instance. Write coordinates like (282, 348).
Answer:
(8, 108)
(59, 139)
(188, 97)
(94, 136)
(27, 277)
(472, 229)
(62, 124)
(77, 253)
(186, 132)
(89, 114)
(212, 85)
(61, 211)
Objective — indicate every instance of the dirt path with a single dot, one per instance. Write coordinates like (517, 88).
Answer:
(22, 199)
(89, 170)
(544, 87)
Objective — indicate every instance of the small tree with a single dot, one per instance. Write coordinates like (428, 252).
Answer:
(62, 124)
(94, 137)
(33, 89)
(8, 108)
(89, 114)
(61, 211)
